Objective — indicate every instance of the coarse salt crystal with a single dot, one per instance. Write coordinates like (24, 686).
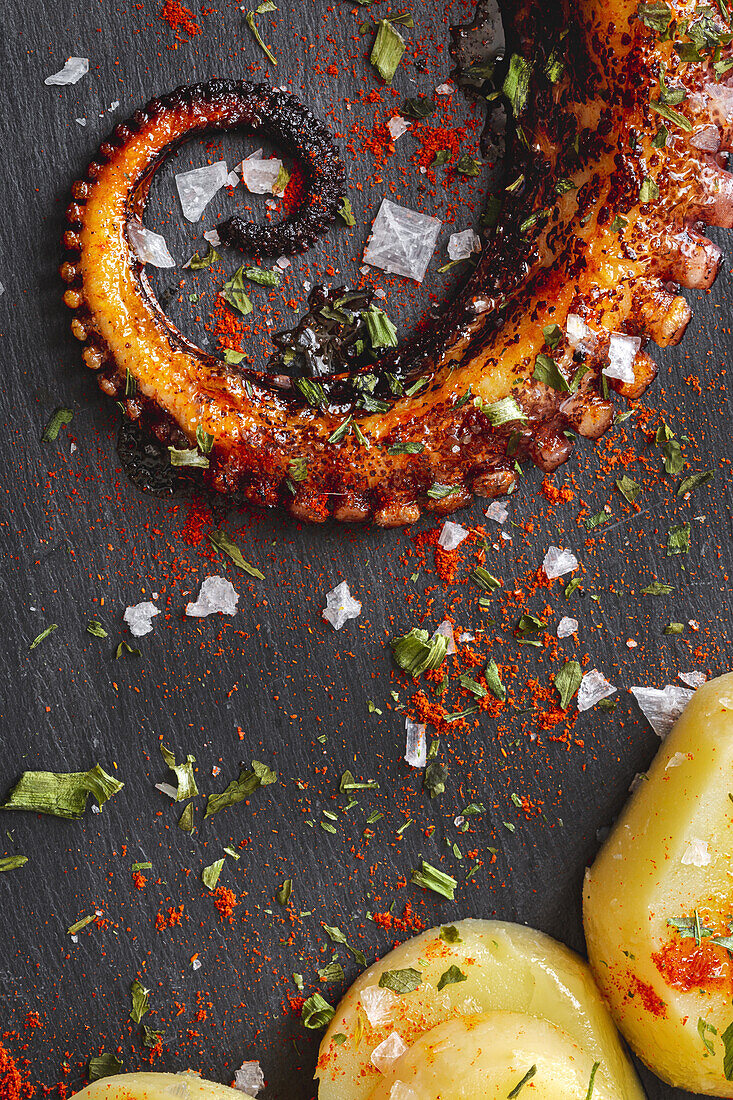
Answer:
(696, 853)
(398, 126)
(149, 247)
(259, 174)
(497, 512)
(402, 241)
(249, 1078)
(462, 245)
(676, 760)
(81, 121)
(416, 746)
(212, 236)
(446, 630)
(721, 102)
(377, 1004)
(196, 964)
(340, 606)
(388, 1051)
(217, 595)
(593, 687)
(557, 562)
(452, 535)
(662, 708)
(576, 329)
(400, 1091)
(197, 188)
(232, 179)
(692, 679)
(283, 263)
(464, 636)
(706, 138)
(445, 89)
(74, 69)
(566, 627)
(622, 351)
(140, 617)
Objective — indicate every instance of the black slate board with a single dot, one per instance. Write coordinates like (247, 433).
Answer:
(75, 532)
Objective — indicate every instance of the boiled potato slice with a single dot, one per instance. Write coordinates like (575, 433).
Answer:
(507, 967)
(488, 1057)
(669, 859)
(156, 1086)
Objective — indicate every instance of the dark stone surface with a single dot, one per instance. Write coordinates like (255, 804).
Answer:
(80, 542)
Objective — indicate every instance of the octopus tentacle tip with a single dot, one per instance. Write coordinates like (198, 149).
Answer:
(614, 163)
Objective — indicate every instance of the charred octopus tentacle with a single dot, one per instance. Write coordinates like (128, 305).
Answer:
(622, 113)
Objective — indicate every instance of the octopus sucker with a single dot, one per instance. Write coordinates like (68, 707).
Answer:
(613, 166)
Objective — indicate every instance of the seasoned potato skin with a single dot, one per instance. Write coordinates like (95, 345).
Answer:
(669, 856)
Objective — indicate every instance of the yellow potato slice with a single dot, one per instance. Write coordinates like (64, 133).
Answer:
(508, 967)
(156, 1086)
(488, 1057)
(669, 859)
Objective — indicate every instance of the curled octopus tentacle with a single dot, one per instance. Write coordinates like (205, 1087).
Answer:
(607, 186)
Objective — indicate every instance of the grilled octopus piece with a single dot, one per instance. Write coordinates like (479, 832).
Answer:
(622, 116)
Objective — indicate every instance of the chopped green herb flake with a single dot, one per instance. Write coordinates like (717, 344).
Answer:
(210, 874)
(520, 1084)
(140, 1002)
(567, 682)
(432, 878)
(58, 418)
(451, 976)
(234, 294)
(389, 46)
(105, 1065)
(43, 635)
(241, 788)
(222, 541)
(61, 794)
(401, 981)
(12, 863)
(316, 1012)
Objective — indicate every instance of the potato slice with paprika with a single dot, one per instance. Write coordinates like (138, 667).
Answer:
(493, 1056)
(466, 969)
(658, 903)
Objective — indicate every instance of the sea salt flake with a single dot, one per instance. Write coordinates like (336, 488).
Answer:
(232, 179)
(259, 175)
(676, 760)
(81, 121)
(446, 630)
(593, 687)
(696, 853)
(400, 1091)
(706, 138)
(196, 964)
(398, 126)
(217, 594)
(464, 636)
(693, 679)
(452, 535)
(576, 329)
(402, 241)
(557, 562)
(720, 102)
(212, 236)
(497, 512)
(622, 351)
(461, 246)
(283, 263)
(662, 707)
(249, 1078)
(388, 1051)
(149, 247)
(140, 617)
(416, 746)
(377, 1004)
(341, 606)
(74, 69)
(445, 89)
(197, 188)
(566, 627)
